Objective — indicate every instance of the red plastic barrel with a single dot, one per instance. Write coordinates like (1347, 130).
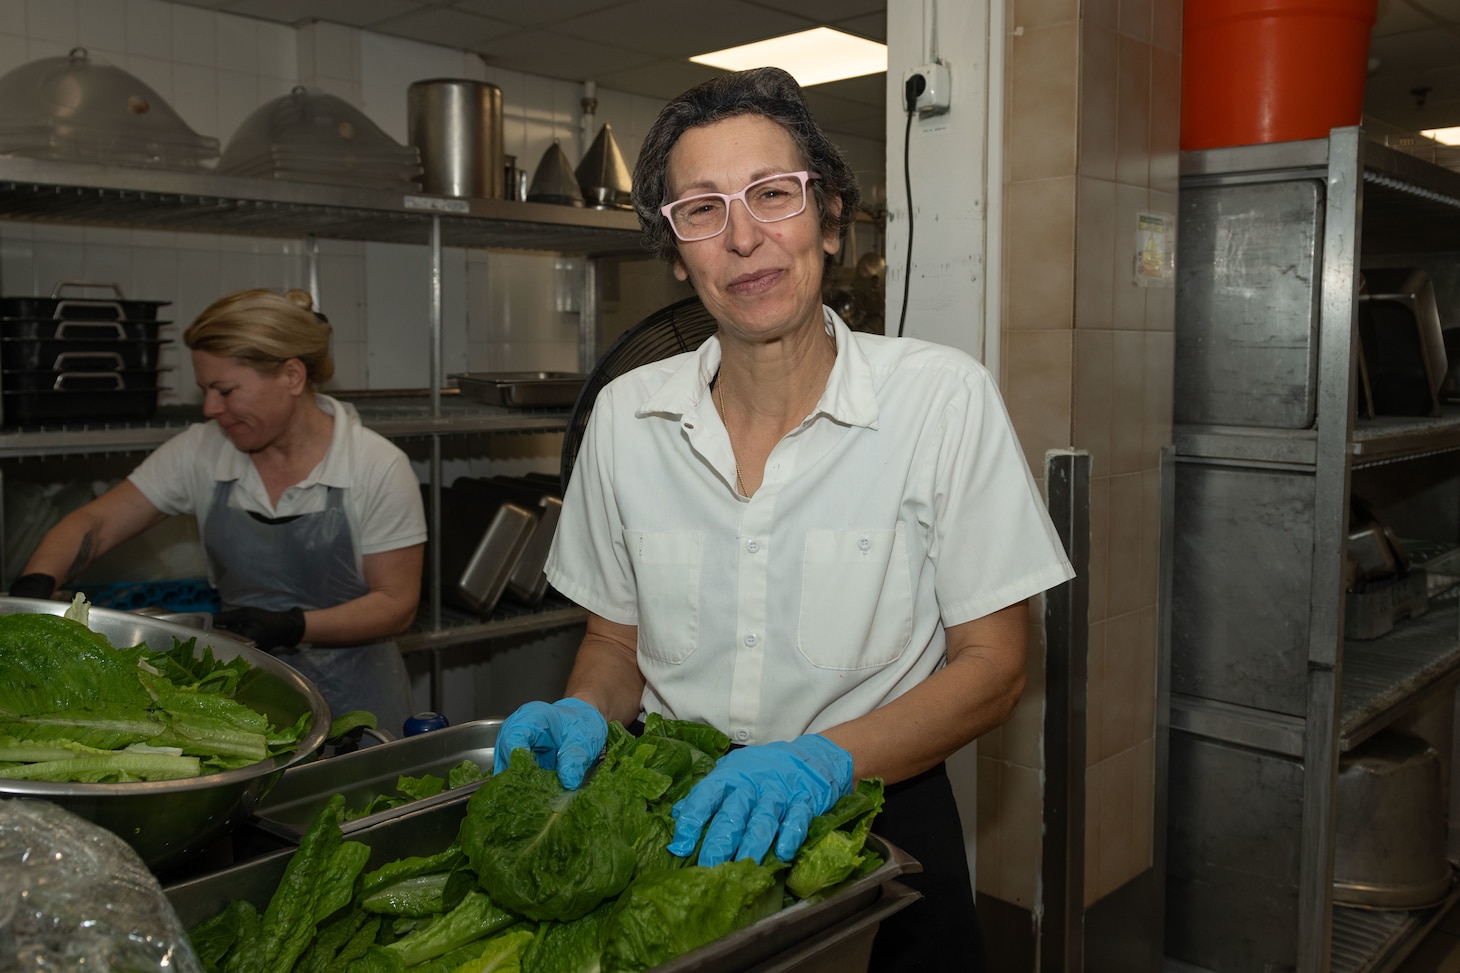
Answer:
(1272, 70)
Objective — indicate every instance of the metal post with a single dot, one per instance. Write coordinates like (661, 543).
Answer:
(435, 380)
(1061, 937)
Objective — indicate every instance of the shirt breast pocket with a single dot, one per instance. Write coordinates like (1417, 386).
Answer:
(856, 598)
(667, 573)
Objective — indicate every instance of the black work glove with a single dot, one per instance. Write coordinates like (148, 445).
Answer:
(267, 630)
(33, 586)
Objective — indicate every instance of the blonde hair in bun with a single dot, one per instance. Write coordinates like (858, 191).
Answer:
(264, 329)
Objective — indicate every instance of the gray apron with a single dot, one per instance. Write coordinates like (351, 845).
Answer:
(307, 562)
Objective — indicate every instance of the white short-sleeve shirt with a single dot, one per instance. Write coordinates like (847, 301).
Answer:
(902, 504)
(382, 495)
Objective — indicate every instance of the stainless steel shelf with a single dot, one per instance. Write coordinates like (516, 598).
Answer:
(507, 621)
(1383, 439)
(93, 195)
(395, 418)
(1382, 677)
(1388, 439)
(1368, 941)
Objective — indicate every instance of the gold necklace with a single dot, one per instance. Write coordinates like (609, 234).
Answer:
(720, 402)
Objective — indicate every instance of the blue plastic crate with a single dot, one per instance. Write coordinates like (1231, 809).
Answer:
(183, 595)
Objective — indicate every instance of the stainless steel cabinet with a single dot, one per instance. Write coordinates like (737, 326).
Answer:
(86, 194)
(1267, 692)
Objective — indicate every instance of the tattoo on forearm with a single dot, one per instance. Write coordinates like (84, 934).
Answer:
(83, 556)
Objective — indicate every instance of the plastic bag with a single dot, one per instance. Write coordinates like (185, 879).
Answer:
(75, 896)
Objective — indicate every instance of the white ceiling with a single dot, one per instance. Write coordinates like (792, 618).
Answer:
(641, 46)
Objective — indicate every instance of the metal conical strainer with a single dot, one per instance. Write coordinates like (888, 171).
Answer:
(553, 181)
(603, 176)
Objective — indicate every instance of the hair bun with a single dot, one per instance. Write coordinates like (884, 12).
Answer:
(302, 298)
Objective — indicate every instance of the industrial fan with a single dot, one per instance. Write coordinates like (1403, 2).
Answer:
(675, 328)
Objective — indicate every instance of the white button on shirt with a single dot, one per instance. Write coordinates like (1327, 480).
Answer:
(902, 503)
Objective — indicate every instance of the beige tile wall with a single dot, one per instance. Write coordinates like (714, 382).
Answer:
(1092, 108)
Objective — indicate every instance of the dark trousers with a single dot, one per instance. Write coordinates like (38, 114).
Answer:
(940, 931)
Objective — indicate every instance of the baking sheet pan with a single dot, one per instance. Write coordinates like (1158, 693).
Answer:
(426, 831)
(522, 389)
(291, 805)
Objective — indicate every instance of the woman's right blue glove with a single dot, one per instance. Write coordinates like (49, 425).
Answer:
(566, 736)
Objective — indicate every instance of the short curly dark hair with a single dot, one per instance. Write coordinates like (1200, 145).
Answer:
(768, 92)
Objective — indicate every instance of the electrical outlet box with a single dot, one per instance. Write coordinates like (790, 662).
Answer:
(928, 88)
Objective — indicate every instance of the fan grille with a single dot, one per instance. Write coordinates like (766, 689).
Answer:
(673, 329)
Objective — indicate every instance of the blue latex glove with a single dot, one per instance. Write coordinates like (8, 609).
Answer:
(761, 794)
(566, 736)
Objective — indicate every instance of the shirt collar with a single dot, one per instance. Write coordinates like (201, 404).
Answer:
(849, 397)
(234, 463)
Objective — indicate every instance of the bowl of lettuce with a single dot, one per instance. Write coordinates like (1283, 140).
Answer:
(162, 734)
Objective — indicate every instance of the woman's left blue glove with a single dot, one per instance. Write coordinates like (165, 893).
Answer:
(761, 794)
(566, 736)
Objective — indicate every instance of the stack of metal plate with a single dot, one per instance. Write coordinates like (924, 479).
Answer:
(70, 108)
(311, 136)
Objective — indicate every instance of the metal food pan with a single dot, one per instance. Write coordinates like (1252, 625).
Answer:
(289, 808)
(832, 934)
(522, 389)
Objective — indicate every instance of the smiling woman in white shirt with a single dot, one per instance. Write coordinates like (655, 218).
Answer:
(312, 525)
(820, 541)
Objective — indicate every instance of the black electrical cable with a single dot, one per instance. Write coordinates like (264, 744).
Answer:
(911, 89)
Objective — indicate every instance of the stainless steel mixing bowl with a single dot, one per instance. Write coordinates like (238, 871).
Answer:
(169, 821)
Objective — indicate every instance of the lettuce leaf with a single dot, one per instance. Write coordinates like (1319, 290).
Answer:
(569, 947)
(50, 664)
(550, 853)
(62, 684)
(474, 917)
(832, 851)
(666, 913)
(318, 881)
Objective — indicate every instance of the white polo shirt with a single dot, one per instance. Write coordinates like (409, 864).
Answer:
(382, 496)
(902, 504)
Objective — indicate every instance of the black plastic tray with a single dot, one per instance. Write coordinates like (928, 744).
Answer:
(30, 408)
(79, 355)
(123, 329)
(108, 380)
(61, 305)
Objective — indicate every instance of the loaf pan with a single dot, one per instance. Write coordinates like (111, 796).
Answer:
(289, 808)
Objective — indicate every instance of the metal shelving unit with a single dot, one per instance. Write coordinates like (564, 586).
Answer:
(95, 195)
(1267, 692)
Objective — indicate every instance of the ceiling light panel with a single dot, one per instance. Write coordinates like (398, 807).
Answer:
(812, 57)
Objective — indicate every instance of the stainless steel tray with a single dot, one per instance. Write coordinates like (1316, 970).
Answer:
(806, 934)
(522, 389)
(289, 808)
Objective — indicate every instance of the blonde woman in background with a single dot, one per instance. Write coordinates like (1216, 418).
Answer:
(312, 525)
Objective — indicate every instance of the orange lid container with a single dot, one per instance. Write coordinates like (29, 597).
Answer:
(1272, 70)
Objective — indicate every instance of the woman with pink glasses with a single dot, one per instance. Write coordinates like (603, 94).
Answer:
(820, 541)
